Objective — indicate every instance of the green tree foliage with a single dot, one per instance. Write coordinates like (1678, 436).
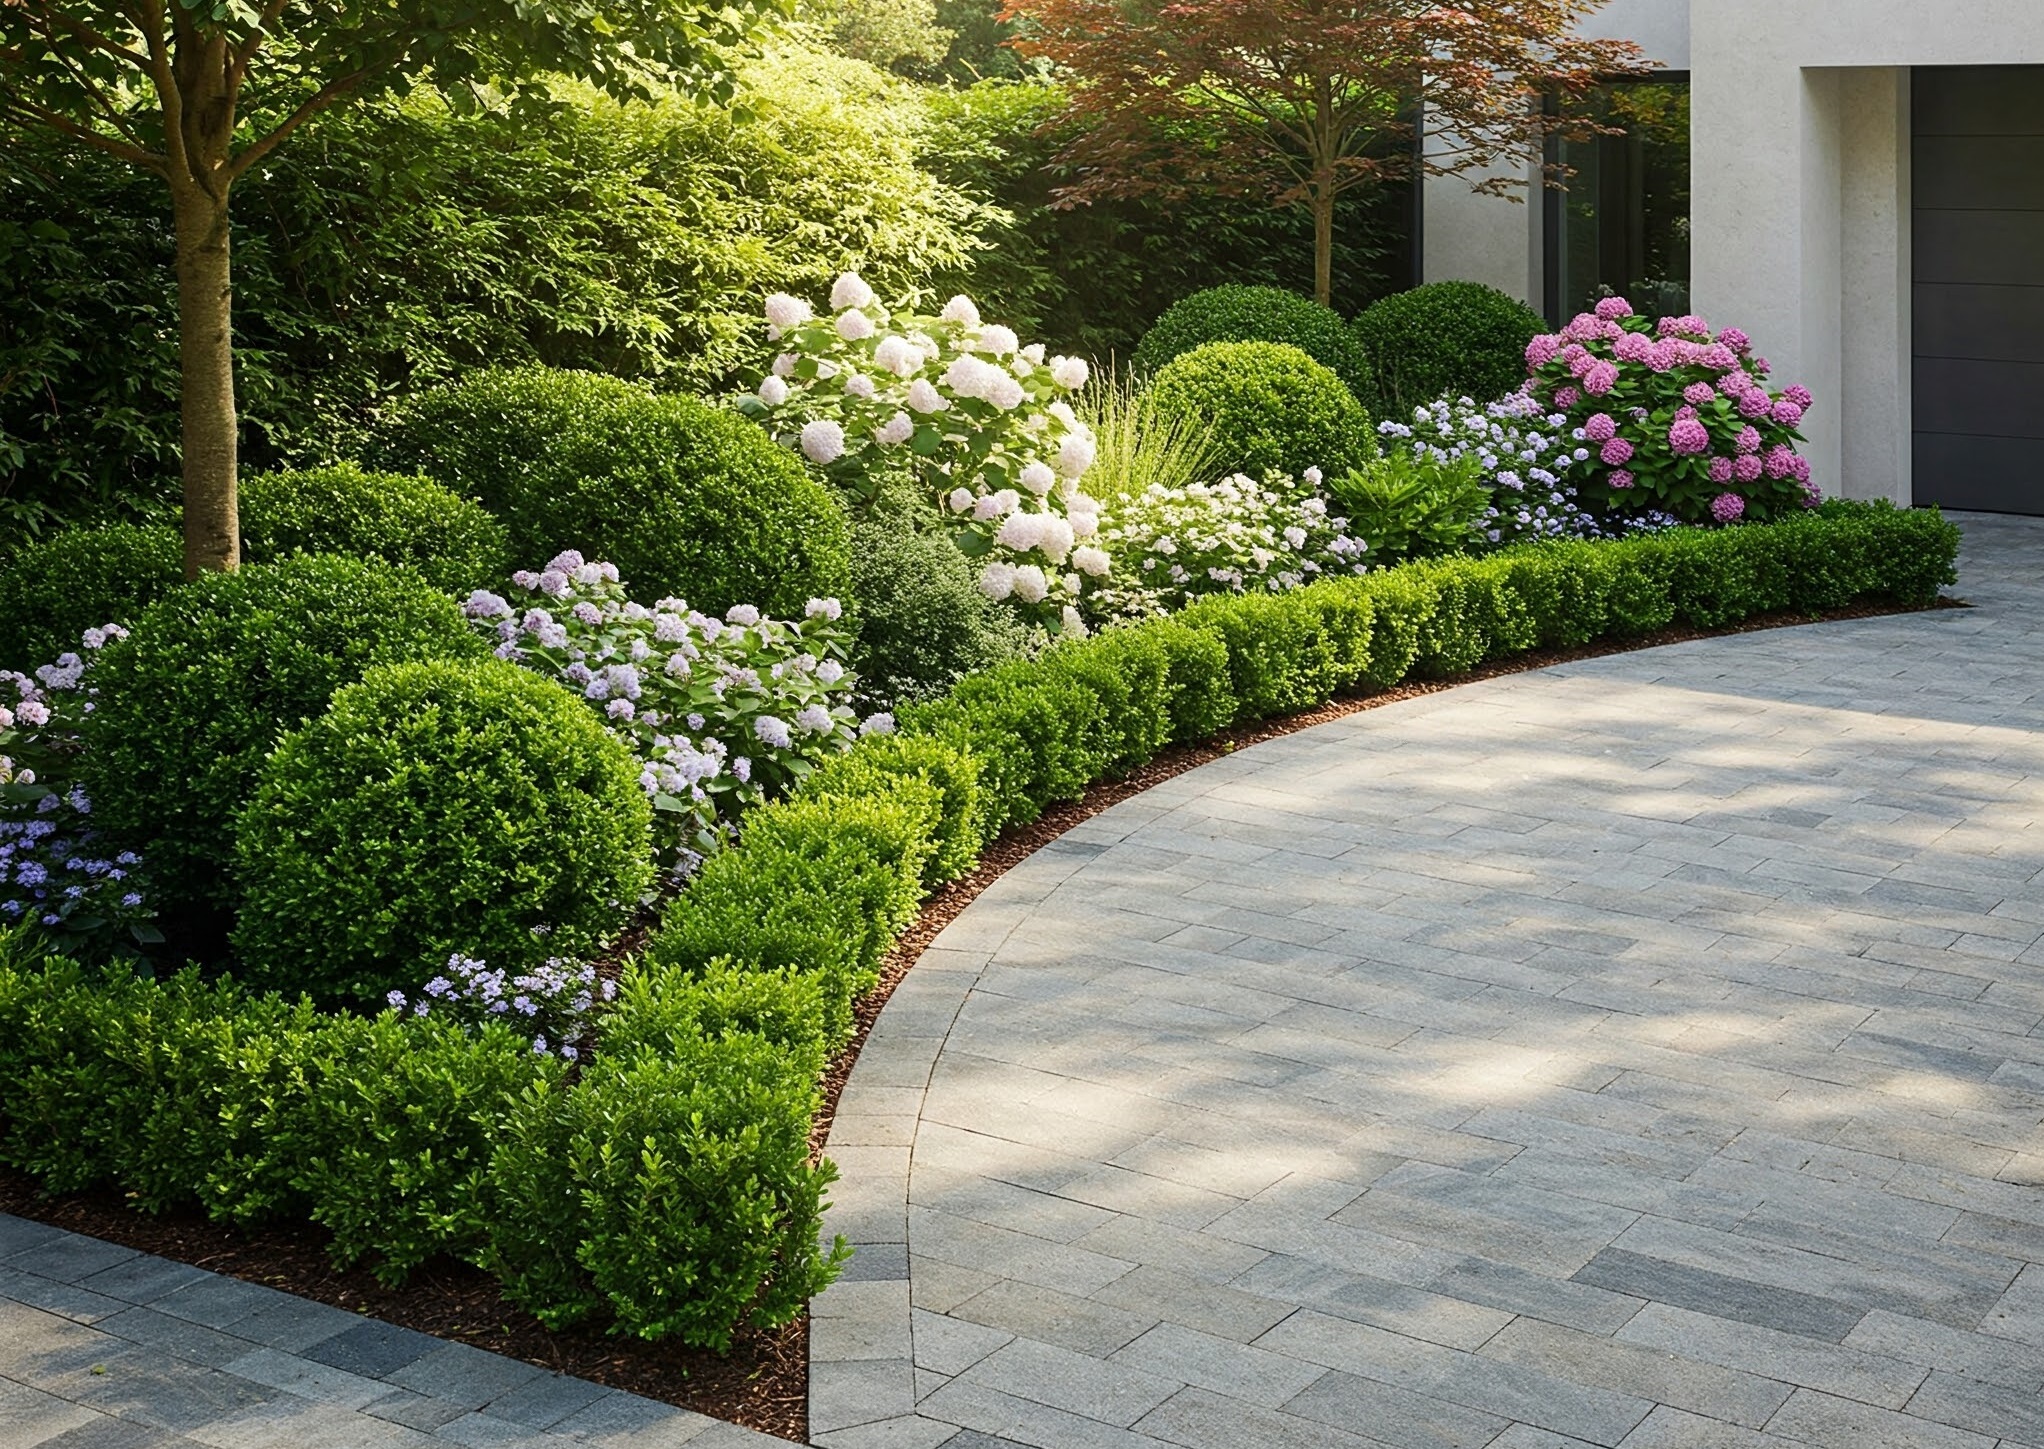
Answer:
(397, 245)
(1091, 278)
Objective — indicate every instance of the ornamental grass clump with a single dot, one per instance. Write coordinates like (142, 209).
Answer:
(1677, 418)
(1235, 536)
(988, 421)
(722, 714)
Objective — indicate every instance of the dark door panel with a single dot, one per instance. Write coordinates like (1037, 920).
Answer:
(1978, 275)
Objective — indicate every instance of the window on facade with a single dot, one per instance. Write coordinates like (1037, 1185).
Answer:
(1622, 227)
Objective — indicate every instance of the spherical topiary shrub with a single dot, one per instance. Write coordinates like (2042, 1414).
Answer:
(452, 806)
(194, 698)
(922, 621)
(1256, 314)
(453, 544)
(1272, 408)
(52, 591)
(1446, 339)
(685, 499)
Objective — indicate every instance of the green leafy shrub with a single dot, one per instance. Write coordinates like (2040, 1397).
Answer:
(1028, 733)
(821, 886)
(1454, 339)
(671, 1193)
(1236, 313)
(922, 622)
(195, 697)
(1272, 408)
(1407, 507)
(873, 769)
(659, 1009)
(413, 522)
(438, 809)
(686, 500)
(52, 591)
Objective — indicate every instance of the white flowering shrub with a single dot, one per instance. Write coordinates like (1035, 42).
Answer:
(1237, 536)
(56, 872)
(1530, 459)
(555, 1001)
(723, 713)
(986, 420)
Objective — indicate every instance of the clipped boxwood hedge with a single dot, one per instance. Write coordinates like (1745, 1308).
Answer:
(1237, 313)
(669, 1190)
(1272, 408)
(52, 591)
(1451, 339)
(453, 544)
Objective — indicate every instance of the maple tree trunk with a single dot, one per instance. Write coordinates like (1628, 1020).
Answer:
(205, 309)
(1323, 246)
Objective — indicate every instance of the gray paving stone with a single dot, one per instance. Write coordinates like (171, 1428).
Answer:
(1721, 1295)
(109, 1433)
(1985, 1408)
(543, 1402)
(67, 1257)
(463, 1375)
(372, 1349)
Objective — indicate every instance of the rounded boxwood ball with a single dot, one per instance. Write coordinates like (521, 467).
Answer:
(1446, 339)
(53, 590)
(436, 808)
(1272, 408)
(687, 500)
(1238, 313)
(453, 544)
(213, 673)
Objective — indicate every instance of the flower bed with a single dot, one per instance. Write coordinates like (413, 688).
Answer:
(666, 1188)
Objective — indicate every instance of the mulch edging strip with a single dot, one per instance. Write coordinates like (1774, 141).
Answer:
(763, 1383)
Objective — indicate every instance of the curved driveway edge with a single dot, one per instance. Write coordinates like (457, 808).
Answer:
(1643, 1052)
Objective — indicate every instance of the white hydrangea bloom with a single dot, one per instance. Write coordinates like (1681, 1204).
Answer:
(997, 580)
(1038, 478)
(823, 441)
(924, 398)
(1070, 373)
(855, 326)
(1313, 476)
(898, 356)
(896, 430)
(1074, 626)
(1005, 391)
(772, 391)
(1054, 536)
(1076, 454)
(1031, 587)
(961, 500)
(1021, 531)
(1032, 354)
(850, 290)
(859, 385)
(784, 312)
(1084, 524)
(1091, 561)
(962, 311)
(968, 376)
(998, 340)
(784, 365)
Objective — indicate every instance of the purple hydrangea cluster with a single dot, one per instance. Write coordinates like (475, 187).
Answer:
(1681, 418)
(57, 875)
(1528, 454)
(554, 1002)
(723, 713)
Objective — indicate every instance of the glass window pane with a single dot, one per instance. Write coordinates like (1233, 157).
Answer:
(1622, 226)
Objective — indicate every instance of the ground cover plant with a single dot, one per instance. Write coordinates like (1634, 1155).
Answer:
(668, 1190)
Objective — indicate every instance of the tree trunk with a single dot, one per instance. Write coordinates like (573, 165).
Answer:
(205, 308)
(1323, 245)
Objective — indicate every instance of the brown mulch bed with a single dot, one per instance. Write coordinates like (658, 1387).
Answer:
(764, 1382)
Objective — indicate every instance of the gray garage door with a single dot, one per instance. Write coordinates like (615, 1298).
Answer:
(1979, 275)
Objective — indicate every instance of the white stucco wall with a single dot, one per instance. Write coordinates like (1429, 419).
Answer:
(1801, 197)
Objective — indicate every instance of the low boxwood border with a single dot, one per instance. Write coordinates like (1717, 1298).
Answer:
(669, 1191)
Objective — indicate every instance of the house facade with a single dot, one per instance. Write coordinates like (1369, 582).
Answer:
(1859, 184)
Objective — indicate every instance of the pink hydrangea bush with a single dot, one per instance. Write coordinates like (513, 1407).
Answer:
(1677, 417)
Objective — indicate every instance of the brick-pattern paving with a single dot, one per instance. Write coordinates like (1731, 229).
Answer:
(1644, 1052)
(102, 1347)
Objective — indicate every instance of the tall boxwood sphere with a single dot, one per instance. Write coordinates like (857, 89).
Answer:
(1271, 407)
(450, 542)
(685, 499)
(1446, 339)
(452, 806)
(53, 590)
(1239, 313)
(215, 671)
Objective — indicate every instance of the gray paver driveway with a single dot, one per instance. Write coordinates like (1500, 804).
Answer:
(1641, 1052)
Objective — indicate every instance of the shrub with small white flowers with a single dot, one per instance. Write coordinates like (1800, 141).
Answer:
(57, 874)
(1530, 457)
(554, 1001)
(723, 713)
(986, 419)
(1235, 536)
